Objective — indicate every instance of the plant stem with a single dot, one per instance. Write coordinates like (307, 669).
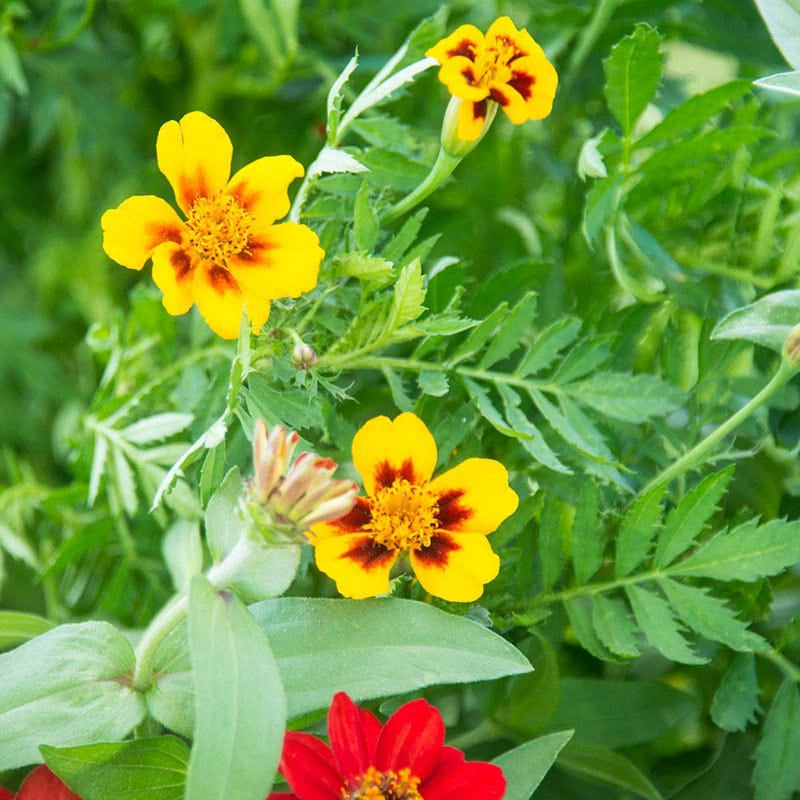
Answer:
(787, 667)
(696, 455)
(590, 34)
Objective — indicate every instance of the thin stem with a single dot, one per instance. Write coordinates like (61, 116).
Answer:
(788, 668)
(589, 36)
(696, 455)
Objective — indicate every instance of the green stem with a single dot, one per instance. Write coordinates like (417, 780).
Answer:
(589, 36)
(788, 668)
(440, 171)
(696, 455)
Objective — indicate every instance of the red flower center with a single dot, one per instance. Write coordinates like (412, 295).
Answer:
(374, 785)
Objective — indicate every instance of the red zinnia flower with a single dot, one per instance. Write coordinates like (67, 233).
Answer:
(41, 784)
(404, 759)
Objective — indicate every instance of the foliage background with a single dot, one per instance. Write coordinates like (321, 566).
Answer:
(84, 89)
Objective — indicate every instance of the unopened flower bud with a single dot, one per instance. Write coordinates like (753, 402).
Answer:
(791, 347)
(304, 356)
(452, 144)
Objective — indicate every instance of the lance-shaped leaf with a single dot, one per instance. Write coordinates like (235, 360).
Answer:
(525, 766)
(767, 322)
(777, 772)
(736, 701)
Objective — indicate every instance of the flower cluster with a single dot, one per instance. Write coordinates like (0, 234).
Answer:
(404, 759)
(226, 253)
(442, 523)
(41, 784)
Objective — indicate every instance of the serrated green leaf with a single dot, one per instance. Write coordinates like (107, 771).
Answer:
(479, 336)
(638, 529)
(588, 544)
(767, 322)
(147, 769)
(659, 626)
(365, 221)
(633, 73)
(98, 467)
(17, 627)
(579, 611)
(123, 481)
(777, 772)
(488, 410)
(335, 96)
(548, 344)
(736, 701)
(395, 382)
(433, 383)
(398, 245)
(614, 626)
(551, 550)
(290, 407)
(747, 553)
(709, 616)
(508, 335)
(408, 298)
(601, 201)
(588, 355)
(525, 766)
(688, 520)
(157, 427)
(366, 268)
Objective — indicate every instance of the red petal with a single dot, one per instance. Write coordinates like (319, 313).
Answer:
(310, 768)
(348, 737)
(471, 780)
(42, 784)
(6, 794)
(412, 737)
(273, 796)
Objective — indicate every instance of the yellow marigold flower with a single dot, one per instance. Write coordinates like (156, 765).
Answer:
(506, 67)
(227, 252)
(442, 523)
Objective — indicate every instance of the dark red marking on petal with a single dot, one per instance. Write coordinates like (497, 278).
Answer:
(253, 251)
(469, 75)
(498, 97)
(386, 474)
(357, 518)
(479, 110)
(449, 511)
(163, 232)
(369, 554)
(190, 187)
(182, 264)
(221, 280)
(436, 554)
(523, 83)
(464, 48)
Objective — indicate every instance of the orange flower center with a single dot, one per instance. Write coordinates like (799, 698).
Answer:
(491, 62)
(374, 785)
(219, 228)
(403, 515)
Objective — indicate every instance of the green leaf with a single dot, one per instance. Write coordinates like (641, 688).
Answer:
(376, 648)
(784, 82)
(290, 407)
(509, 334)
(395, 382)
(709, 616)
(69, 686)
(602, 766)
(11, 72)
(183, 552)
(686, 522)
(783, 20)
(614, 626)
(377, 271)
(746, 553)
(630, 398)
(548, 344)
(637, 531)
(157, 427)
(433, 383)
(658, 624)
(17, 627)
(398, 245)
(525, 766)
(240, 708)
(579, 611)
(409, 295)
(736, 701)
(616, 713)
(601, 202)
(551, 551)
(335, 96)
(480, 335)
(488, 410)
(767, 322)
(777, 772)
(365, 220)
(588, 543)
(144, 769)
(633, 72)
(273, 24)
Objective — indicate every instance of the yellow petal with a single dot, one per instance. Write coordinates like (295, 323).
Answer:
(352, 522)
(385, 449)
(173, 273)
(474, 496)
(281, 261)
(471, 119)
(535, 79)
(195, 156)
(136, 227)
(465, 41)
(262, 187)
(218, 298)
(257, 312)
(455, 567)
(510, 100)
(503, 35)
(459, 76)
(359, 566)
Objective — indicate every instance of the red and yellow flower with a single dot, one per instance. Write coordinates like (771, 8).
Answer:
(227, 253)
(404, 759)
(505, 67)
(442, 522)
(41, 784)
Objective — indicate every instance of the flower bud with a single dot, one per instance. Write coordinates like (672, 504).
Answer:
(791, 347)
(451, 143)
(304, 356)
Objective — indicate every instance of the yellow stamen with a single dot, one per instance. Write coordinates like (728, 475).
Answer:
(374, 785)
(218, 228)
(403, 515)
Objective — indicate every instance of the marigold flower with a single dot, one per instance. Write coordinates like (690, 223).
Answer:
(404, 759)
(505, 67)
(227, 252)
(442, 522)
(41, 784)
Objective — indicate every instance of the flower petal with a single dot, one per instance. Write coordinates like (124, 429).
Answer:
(474, 496)
(195, 157)
(510, 100)
(219, 299)
(173, 273)
(353, 744)
(272, 796)
(6, 794)
(359, 565)
(471, 119)
(385, 449)
(461, 79)
(412, 737)
(310, 767)
(536, 80)
(280, 261)
(42, 784)
(262, 187)
(352, 522)
(465, 41)
(469, 780)
(455, 567)
(132, 230)
(504, 37)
